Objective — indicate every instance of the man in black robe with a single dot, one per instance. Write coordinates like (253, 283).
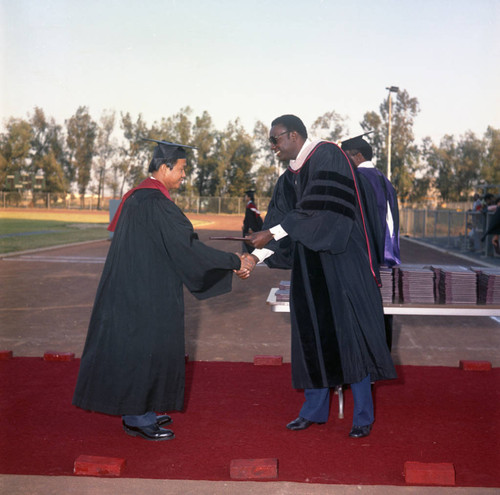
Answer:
(385, 216)
(133, 361)
(335, 304)
(252, 221)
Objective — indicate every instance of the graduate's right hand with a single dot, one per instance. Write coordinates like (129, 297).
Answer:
(248, 263)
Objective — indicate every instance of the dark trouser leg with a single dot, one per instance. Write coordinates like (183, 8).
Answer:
(140, 420)
(317, 405)
(363, 402)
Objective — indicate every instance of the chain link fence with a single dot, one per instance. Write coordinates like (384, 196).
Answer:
(458, 230)
(17, 199)
(188, 204)
(217, 205)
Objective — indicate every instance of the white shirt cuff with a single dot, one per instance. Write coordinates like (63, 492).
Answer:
(262, 254)
(278, 232)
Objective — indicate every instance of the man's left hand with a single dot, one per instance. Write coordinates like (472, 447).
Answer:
(259, 239)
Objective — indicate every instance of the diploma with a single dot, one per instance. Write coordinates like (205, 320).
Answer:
(228, 239)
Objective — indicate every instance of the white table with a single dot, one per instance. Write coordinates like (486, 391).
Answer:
(409, 309)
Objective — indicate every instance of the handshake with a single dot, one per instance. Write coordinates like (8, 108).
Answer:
(248, 261)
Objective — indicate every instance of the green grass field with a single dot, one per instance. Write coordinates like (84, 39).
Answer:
(22, 230)
(20, 234)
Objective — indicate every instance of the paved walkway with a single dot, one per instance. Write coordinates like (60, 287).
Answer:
(45, 304)
(46, 300)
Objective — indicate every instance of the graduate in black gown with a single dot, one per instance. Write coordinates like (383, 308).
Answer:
(133, 361)
(383, 218)
(360, 153)
(252, 221)
(335, 303)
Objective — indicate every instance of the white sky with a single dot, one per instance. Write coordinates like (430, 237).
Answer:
(253, 60)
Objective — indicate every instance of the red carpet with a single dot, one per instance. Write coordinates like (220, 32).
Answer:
(239, 411)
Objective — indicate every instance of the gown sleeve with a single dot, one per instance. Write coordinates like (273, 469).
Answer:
(205, 271)
(282, 201)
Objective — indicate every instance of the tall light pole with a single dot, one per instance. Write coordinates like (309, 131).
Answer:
(392, 89)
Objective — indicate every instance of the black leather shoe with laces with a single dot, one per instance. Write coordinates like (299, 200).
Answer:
(151, 432)
(360, 431)
(301, 424)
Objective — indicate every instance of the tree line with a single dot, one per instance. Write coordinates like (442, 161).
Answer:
(109, 155)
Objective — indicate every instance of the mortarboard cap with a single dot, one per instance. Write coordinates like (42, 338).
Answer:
(167, 143)
(356, 143)
(250, 193)
(166, 152)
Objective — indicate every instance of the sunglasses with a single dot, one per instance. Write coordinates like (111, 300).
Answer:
(274, 139)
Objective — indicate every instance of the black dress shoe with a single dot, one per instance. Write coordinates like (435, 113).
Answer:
(360, 431)
(151, 432)
(301, 424)
(163, 420)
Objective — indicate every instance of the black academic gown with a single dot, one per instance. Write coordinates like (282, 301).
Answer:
(251, 223)
(133, 360)
(374, 227)
(376, 192)
(384, 193)
(336, 309)
(282, 201)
